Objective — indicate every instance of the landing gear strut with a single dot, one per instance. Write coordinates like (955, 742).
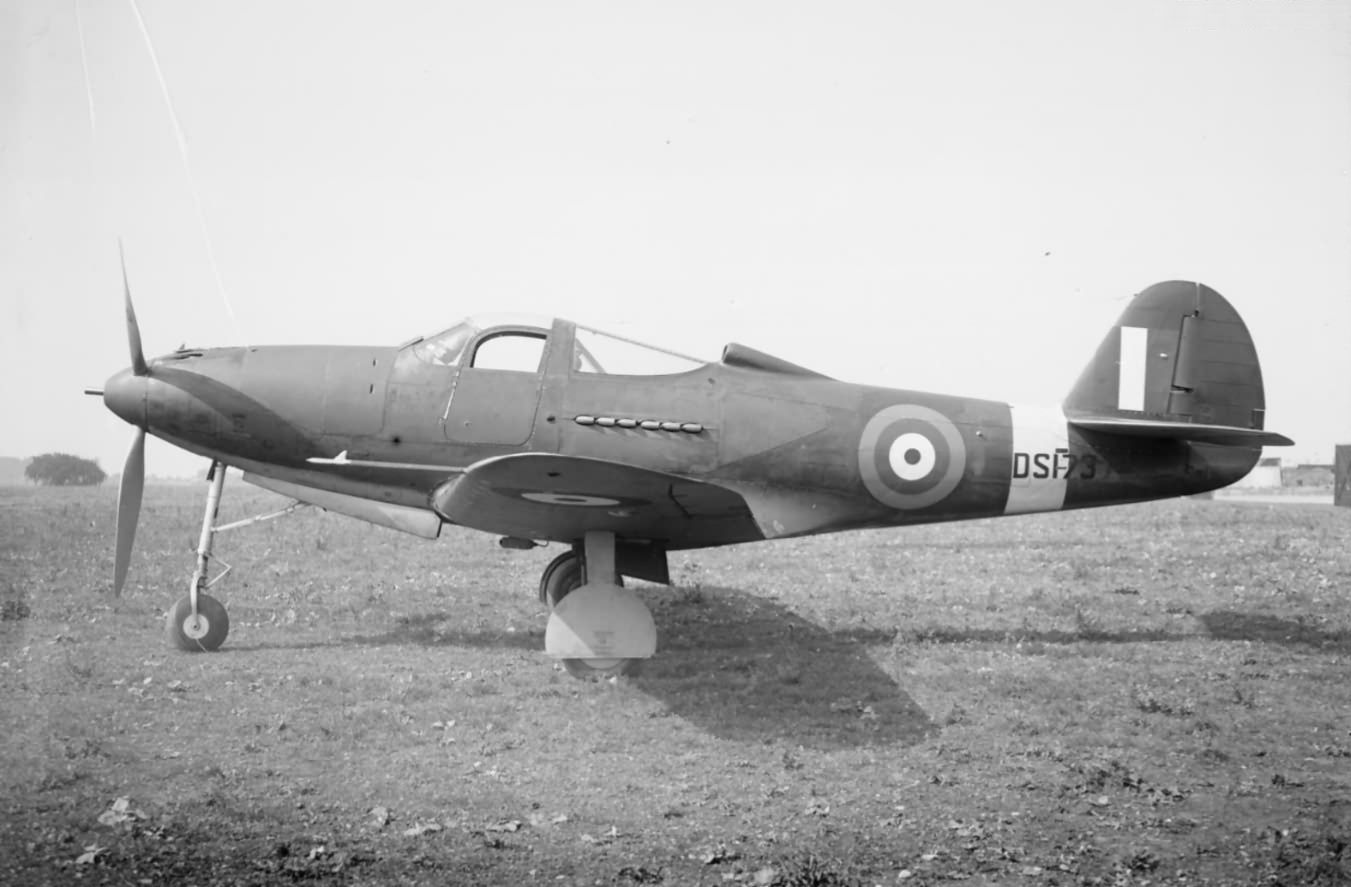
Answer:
(596, 627)
(198, 622)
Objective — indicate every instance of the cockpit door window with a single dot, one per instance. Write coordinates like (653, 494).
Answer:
(497, 390)
(514, 351)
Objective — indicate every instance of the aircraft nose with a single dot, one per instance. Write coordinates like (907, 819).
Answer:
(125, 395)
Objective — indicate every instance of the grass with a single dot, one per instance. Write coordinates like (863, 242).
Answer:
(1150, 694)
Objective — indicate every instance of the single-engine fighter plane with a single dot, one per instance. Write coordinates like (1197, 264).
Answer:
(553, 431)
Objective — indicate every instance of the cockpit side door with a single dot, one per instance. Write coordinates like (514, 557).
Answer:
(496, 393)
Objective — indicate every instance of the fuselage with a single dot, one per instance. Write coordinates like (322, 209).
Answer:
(394, 425)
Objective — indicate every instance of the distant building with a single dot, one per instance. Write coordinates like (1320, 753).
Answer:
(1307, 476)
(1266, 475)
(1341, 493)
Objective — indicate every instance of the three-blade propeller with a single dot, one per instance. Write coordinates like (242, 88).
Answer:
(133, 473)
(129, 508)
(138, 365)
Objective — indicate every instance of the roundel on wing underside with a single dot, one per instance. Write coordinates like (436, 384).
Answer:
(910, 456)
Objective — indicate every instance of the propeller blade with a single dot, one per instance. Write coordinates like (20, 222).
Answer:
(138, 365)
(129, 508)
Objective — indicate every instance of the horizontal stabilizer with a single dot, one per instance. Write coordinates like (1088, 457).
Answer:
(1223, 435)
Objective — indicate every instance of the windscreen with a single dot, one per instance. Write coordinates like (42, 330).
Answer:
(444, 349)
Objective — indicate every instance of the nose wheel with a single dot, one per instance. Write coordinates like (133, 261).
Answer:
(598, 628)
(202, 631)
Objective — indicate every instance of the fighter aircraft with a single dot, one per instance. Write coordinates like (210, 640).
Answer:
(551, 431)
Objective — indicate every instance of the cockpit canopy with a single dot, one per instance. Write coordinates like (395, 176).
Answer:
(515, 342)
(518, 338)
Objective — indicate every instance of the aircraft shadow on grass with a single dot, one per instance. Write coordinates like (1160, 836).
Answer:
(1229, 625)
(746, 668)
(740, 667)
(1219, 625)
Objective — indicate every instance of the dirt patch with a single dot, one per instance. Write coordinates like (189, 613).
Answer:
(1151, 694)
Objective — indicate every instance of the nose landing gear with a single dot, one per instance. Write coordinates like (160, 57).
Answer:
(198, 622)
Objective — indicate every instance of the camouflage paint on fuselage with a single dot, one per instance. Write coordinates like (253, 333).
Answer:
(806, 453)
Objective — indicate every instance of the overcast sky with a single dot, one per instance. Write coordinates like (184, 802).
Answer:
(948, 196)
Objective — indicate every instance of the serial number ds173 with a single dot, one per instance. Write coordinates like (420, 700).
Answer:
(1059, 465)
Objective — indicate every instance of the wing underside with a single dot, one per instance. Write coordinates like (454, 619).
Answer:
(561, 498)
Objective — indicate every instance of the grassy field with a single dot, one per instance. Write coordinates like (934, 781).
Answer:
(1155, 694)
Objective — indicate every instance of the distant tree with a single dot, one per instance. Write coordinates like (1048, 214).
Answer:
(64, 470)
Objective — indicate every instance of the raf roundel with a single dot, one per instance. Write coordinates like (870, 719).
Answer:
(571, 499)
(910, 456)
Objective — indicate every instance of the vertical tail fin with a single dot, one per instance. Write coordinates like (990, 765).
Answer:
(1178, 364)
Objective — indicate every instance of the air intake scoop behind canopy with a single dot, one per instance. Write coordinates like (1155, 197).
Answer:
(737, 355)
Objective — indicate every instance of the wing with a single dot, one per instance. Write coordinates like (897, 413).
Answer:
(560, 498)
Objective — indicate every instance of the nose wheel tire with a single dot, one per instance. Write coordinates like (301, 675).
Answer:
(204, 632)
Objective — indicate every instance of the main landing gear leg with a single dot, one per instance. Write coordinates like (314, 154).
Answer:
(597, 627)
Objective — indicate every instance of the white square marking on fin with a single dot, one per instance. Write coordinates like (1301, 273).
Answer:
(1130, 394)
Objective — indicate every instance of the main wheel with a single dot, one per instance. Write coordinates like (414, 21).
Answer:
(565, 574)
(595, 669)
(205, 632)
